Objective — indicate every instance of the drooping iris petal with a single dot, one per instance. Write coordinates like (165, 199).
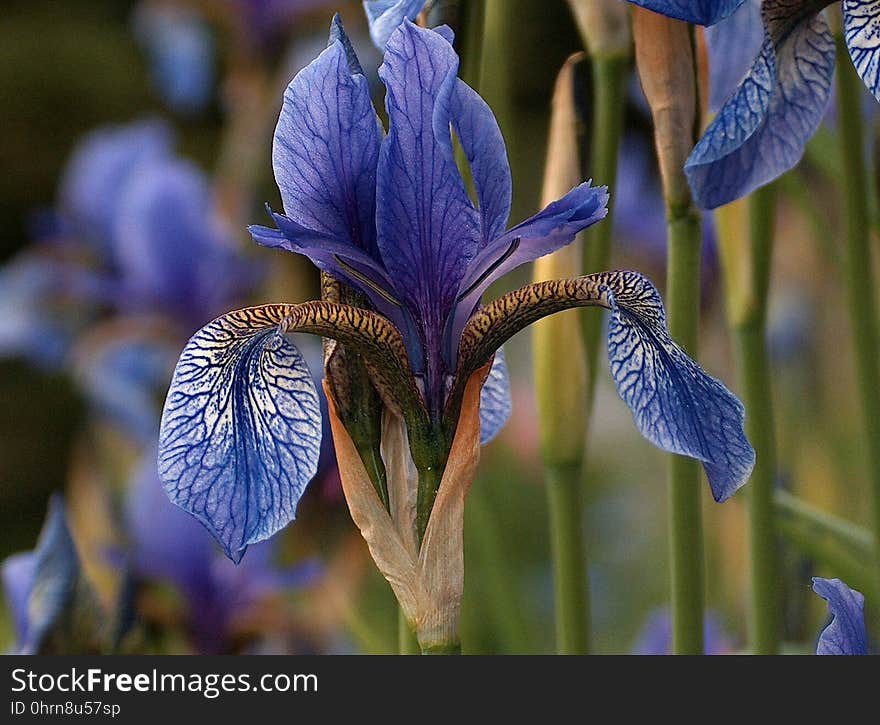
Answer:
(97, 172)
(675, 404)
(733, 45)
(701, 12)
(483, 145)
(552, 228)
(427, 228)
(861, 29)
(56, 572)
(241, 430)
(845, 634)
(17, 573)
(762, 129)
(384, 17)
(326, 149)
(495, 403)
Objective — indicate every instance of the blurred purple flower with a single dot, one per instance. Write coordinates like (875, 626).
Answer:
(169, 545)
(656, 636)
(40, 585)
(180, 48)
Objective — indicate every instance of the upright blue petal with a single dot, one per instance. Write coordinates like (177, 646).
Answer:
(56, 572)
(861, 29)
(483, 145)
(552, 228)
(241, 431)
(733, 45)
(495, 403)
(675, 404)
(762, 130)
(385, 16)
(17, 573)
(845, 634)
(701, 12)
(98, 169)
(428, 229)
(326, 149)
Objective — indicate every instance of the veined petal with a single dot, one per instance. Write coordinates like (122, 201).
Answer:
(55, 577)
(428, 230)
(495, 403)
(483, 145)
(861, 29)
(701, 12)
(733, 45)
(845, 634)
(338, 258)
(241, 430)
(553, 228)
(675, 404)
(762, 129)
(326, 149)
(384, 17)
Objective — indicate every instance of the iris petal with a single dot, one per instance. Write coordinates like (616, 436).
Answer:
(428, 230)
(326, 149)
(701, 12)
(483, 145)
(861, 29)
(17, 572)
(733, 45)
(549, 230)
(675, 404)
(495, 403)
(384, 17)
(845, 634)
(763, 128)
(241, 430)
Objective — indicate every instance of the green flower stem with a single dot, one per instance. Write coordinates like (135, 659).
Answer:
(407, 644)
(447, 648)
(859, 280)
(749, 336)
(610, 75)
(685, 485)
(571, 595)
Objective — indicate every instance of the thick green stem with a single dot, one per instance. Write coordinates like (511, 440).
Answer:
(685, 489)
(609, 87)
(859, 278)
(407, 644)
(571, 588)
(447, 648)
(753, 366)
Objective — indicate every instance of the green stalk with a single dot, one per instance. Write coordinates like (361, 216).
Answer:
(749, 335)
(610, 74)
(859, 279)
(685, 485)
(571, 588)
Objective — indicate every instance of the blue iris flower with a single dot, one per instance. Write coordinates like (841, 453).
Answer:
(762, 128)
(40, 586)
(845, 634)
(168, 545)
(389, 214)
